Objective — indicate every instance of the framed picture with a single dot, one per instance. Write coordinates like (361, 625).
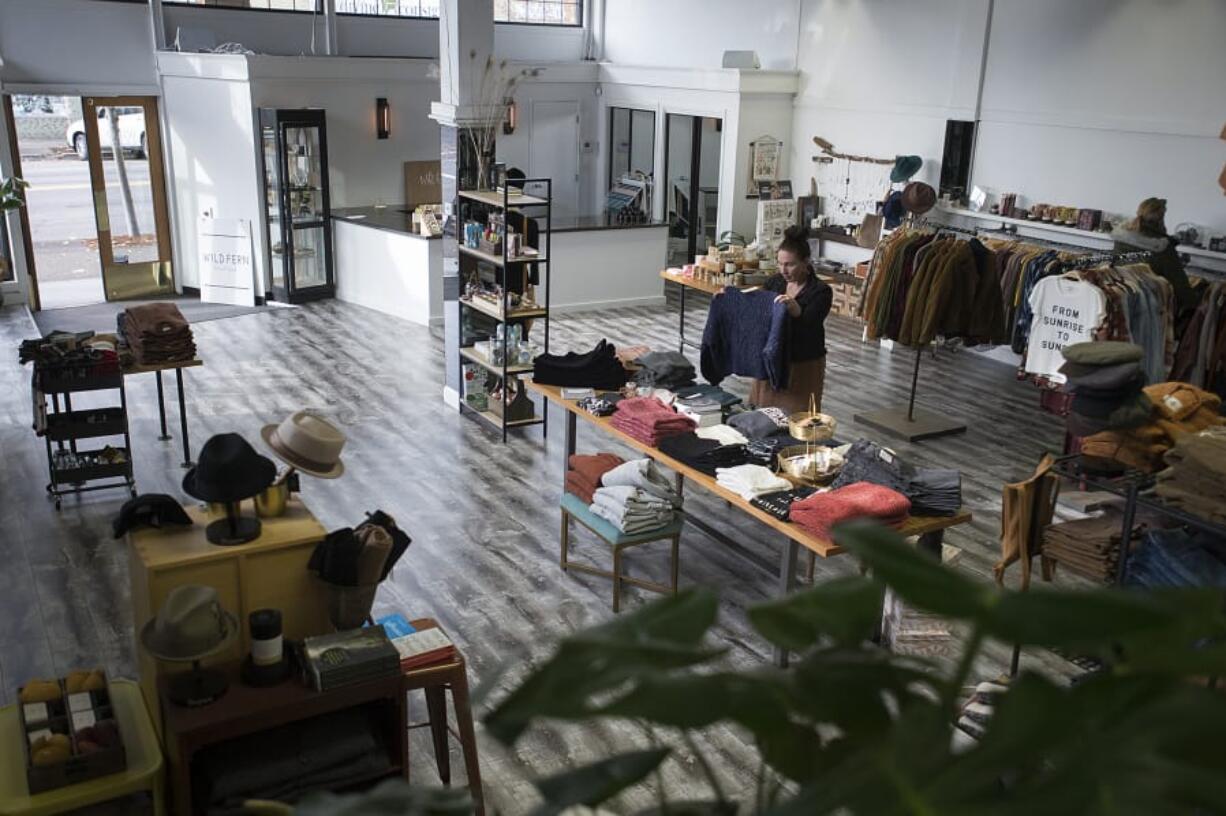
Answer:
(807, 208)
(764, 155)
(775, 190)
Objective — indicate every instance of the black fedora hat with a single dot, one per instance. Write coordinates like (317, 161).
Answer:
(228, 470)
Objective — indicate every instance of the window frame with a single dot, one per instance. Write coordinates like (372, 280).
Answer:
(178, 4)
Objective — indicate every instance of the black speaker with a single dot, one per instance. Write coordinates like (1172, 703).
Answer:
(956, 158)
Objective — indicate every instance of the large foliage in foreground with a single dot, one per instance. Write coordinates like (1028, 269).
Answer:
(851, 728)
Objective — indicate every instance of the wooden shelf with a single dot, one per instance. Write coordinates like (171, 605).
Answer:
(496, 421)
(840, 238)
(496, 260)
(471, 353)
(494, 199)
(496, 313)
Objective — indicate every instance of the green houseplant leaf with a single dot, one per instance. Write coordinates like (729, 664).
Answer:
(593, 784)
(844, 609)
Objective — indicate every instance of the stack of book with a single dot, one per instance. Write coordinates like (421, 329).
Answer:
(423, 645)
(352, 656)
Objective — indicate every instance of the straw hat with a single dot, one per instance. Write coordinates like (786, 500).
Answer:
(307, 443)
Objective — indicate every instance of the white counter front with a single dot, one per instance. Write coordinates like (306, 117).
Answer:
(607, 268)
(391, 272)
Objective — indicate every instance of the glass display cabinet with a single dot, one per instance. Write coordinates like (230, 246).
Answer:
(295, 167)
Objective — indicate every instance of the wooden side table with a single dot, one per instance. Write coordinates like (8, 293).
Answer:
(144, 771)
(244, 711)
(270, 571)
(436, 680)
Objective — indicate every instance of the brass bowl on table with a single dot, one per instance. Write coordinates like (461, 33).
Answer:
(809, 464)
(812, 426)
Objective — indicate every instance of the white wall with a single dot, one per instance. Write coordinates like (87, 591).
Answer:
(765, 115)
(696, 34)
(599, 269)
(560, 83)
(363, 169)
(76, 45)
(396, 274)
(210, 134)
(1102, 103)
(880, 78)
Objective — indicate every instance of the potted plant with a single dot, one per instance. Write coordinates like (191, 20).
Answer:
(12, 196)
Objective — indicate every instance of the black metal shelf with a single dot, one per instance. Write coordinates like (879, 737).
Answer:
(503, 312)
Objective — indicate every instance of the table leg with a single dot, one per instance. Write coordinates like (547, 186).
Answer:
(787, 579)
(187, 450)
(468, 739)
(931, 543)
(681, 326)
(568, 449)
(436, 705)
(161, 407)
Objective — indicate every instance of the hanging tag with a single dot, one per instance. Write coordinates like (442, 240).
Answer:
(1173, 403)
(887, 456)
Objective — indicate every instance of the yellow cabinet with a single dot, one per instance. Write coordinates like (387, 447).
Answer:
(270, 571)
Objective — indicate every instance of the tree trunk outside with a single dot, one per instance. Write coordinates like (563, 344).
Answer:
(125, 189)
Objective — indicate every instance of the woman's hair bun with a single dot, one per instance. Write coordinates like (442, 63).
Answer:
(796, 232)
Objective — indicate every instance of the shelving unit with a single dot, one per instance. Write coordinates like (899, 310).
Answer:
(71, 469)
(474, 203)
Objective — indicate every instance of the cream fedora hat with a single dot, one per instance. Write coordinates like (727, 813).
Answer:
(307, 443)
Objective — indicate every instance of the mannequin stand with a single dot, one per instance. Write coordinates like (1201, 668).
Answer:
(908, 423)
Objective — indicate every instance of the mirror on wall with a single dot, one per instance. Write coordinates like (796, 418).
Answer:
(632, 155)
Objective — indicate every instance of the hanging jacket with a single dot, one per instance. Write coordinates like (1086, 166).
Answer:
(1026, 508)
(746, 334)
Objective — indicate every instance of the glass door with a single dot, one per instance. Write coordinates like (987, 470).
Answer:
(693, 145)
(632, 157)
(124, 150)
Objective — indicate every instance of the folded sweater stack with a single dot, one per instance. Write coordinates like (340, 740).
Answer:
(636, 498)
(157, 333)
(822, 511)
(598, 368)
(583, 477)
(1195, 480)
(648, 420)
(750, 481)
(704, 455)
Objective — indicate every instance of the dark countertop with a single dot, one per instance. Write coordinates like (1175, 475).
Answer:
(581, 223)
(392, 218)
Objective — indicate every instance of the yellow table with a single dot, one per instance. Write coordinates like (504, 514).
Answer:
(144, 771)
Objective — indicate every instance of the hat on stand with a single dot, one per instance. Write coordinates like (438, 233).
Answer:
(307, 443)
(918, 197)
(904, 168)
(190, 625)
(228, 470)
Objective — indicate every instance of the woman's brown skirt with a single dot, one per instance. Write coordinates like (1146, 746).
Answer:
(805, 377)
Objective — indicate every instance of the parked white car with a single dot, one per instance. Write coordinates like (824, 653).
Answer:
(131, 132)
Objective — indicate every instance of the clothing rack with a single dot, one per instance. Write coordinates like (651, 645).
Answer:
(908, 424)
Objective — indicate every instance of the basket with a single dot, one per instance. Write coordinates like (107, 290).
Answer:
(811, 425)
(809, 464)
(349, 606)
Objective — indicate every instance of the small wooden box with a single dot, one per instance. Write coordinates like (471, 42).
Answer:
(78, 767)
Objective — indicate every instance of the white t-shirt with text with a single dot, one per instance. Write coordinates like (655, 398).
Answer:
(1066, 311)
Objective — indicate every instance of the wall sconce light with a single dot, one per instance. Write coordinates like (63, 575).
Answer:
(512, 118)
(383, 118)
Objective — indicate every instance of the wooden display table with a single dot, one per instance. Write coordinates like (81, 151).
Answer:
(244, 710)
(929, 529)
(144, 771)
(699, 286)
(268, 572)
(177, 368)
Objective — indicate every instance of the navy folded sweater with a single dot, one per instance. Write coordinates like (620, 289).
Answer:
(746, 334)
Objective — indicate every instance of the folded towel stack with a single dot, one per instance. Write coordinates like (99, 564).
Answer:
(822, 511)
(648, 420)
(157, 333)
(750, 480)
(583, 477)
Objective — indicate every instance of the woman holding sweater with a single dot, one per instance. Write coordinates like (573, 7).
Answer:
(808, 302)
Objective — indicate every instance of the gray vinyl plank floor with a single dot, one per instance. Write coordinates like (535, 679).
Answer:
(483, 516)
